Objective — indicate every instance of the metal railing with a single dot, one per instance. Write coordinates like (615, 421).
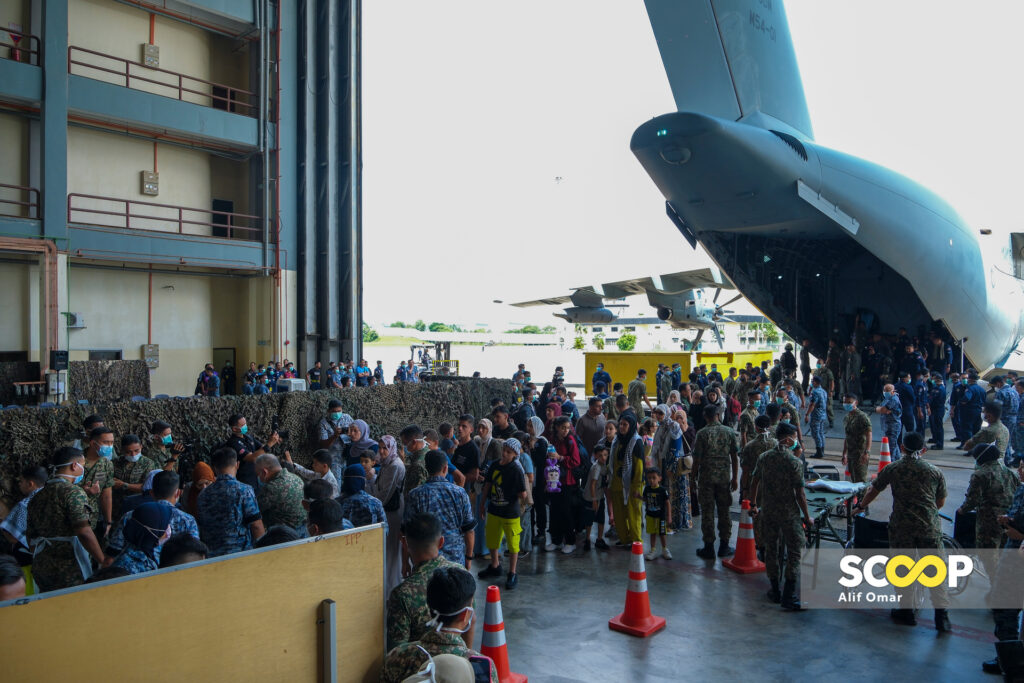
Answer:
(176, 85)
(31, 203)
(27, 53)
(112, 212)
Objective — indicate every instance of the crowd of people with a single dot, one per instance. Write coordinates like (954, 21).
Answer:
(262, 378)
(538, 473)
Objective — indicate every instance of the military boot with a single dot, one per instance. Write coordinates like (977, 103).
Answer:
(707, 552)
(773, 593)
(790, 600)
(942, 624)
(903, 616)
(724, 550)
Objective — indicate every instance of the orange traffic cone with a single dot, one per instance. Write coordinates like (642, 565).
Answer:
(884, 457)
(494, 638)
(745, 560)
(637, 619)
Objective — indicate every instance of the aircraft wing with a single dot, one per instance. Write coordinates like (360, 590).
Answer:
(670, 283)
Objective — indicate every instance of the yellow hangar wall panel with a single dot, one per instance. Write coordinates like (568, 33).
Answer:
(119, 30)
(247, 617)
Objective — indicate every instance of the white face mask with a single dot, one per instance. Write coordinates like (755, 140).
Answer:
(133, 458)
(436, 621)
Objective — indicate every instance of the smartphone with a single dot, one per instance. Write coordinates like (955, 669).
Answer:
(481, 668)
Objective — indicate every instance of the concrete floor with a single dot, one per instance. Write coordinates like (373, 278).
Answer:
(720, 625)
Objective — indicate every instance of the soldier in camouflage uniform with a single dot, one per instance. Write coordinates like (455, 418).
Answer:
(98, 482)
(416, 450)
(746, 426)
(857, 444)
(449, 598)
(715, 454)
(58, 526)
(407, 609)
(163, 450)
(764, 442)
(130, 469)
(281, 495)
(918, 493)
(778, 480)
(636, 392)
(664, 382)
(996, 432)
(990, 492)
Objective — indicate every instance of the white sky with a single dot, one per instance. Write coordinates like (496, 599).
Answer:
(472, 109)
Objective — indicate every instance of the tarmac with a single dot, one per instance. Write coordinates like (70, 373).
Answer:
(720, 624)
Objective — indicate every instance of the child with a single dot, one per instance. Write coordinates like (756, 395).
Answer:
(447, 443)
(659, 508)
(433, 440)
(647, 429)
(593, 490)
(321, 469)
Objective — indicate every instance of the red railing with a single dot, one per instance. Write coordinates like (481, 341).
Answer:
(31, 203)
(21, 47)
(112, 212)
(173, 84)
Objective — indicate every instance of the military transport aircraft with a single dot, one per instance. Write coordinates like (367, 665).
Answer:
(678, 297)
(816, 239)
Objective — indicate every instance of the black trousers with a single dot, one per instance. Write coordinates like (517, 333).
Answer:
(540, 511)
(563, 516)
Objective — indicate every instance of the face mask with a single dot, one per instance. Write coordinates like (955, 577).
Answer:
(780, 400)
(244, 430)
(887, 394)
(167, 440)
(784, 420)
(963, 381)
(336, 416)
(436, 621)
(757, 404)
(133, 458)
(793, 446)
(107, 452)
(848, 407)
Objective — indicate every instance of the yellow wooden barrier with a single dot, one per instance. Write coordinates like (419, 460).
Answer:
(245, 617)
(733, 359)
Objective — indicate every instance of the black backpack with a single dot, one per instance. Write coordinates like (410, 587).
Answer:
(582, 471)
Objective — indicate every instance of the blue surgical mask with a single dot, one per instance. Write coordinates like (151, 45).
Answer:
(244, 430)
(757, 404)
(107, 452)
(336, 416)
(793, 446)
(167, 440)
(780, 400)
(784, 420)
(848, 407)
(133, 458)
(887, 394)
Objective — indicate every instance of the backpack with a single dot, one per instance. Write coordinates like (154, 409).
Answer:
(581, 471)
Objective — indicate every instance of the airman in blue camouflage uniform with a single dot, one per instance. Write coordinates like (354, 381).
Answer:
(228, 513)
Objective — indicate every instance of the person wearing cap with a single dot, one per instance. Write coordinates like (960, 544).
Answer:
(778, 481)
(450, 592)
(891, 410)
(449, 503)
(918, 493)
(817, 416)
(62, 540)
(505, 491)
(716, 466)
(357, 505)
(995, 432)
(334, 434)
(990, 493)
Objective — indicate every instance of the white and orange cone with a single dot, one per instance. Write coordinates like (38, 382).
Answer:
(494, 638)
(637, 619)
(884, 457)
(745, 560)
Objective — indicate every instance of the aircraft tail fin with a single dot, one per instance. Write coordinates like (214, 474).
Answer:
(732, 59)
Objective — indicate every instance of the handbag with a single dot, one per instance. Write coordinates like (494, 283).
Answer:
(684, 463)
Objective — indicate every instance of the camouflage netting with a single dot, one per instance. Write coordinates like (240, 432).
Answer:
(31, 435)
(105, 381)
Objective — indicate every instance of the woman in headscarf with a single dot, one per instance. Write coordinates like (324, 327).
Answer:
(627, 481)
(490, 451)
(202, 476)
(679, 477)
(667, 441)
(537, 446)
(386, 486)
(611, 430)
(148, 529)
(359, 433)
(675, 401)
